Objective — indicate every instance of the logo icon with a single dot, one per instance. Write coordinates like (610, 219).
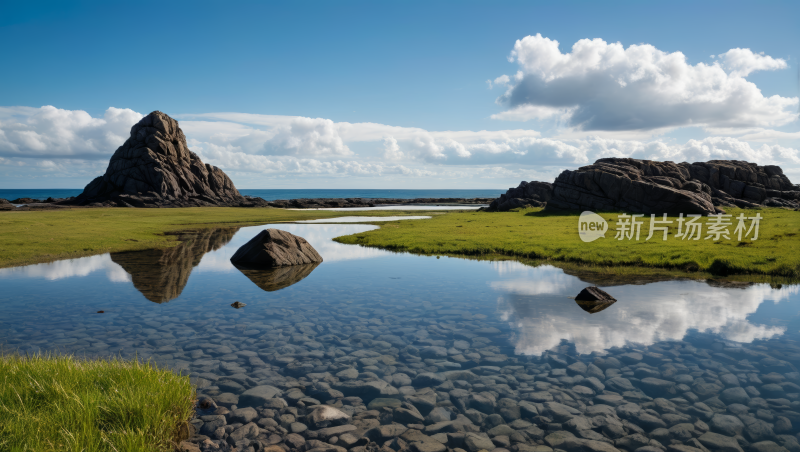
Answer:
(591, 226)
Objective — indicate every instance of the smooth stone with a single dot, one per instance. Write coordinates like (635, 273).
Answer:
(326, 414)
(735, 395)
(475, 442)
(726, 425)
(719, 443)
(242, 415)
(258, 395)
(378, 403)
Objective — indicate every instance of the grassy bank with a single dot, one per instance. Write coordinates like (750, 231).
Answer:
(66, 404)
(546, 237)
(41, 236)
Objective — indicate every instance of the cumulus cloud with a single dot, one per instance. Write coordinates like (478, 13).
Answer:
(741, 62)
(55, 133)
(604, 86)
(281, 146)
(312, 137)
(391, 151)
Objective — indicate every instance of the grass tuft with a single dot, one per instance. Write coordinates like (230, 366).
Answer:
(62, 403)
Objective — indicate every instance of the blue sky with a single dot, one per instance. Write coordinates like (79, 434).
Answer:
(395, 94)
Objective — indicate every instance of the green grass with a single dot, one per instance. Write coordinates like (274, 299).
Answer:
(41, 236)
(60, 403)
(553, 238)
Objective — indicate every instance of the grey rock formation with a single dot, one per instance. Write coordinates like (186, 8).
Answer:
(155, 168)
(534, 194)
(650, 187)
(275, 248)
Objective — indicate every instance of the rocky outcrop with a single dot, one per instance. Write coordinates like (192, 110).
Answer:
(5, 205)
(161, 274)
(534, 194)
(275, 248)
(155, 168)
(272, 279)
(650, 187)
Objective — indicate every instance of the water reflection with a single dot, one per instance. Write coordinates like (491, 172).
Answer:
(539, 309)
(69, 268)
(594, 306)
(273, 279)
(161, 275)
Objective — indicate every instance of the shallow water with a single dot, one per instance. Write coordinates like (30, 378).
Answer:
(406, 207)
(364, 219)
(469, 337)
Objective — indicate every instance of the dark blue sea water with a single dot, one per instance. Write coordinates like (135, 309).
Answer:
(273, 194)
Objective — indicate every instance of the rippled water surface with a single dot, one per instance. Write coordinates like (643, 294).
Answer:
(468, 340)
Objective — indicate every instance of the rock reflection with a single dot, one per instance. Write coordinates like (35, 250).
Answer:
(273, 279)
(593, 307)
(161, 274)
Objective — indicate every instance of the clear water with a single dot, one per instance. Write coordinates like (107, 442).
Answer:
(274, 194)
(364, 219)
(514, 328)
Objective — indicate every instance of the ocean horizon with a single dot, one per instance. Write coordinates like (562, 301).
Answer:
(274, 194)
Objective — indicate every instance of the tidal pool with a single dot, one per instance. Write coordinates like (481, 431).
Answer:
(427, 353)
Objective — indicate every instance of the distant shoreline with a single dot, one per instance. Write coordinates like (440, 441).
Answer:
(277, 194)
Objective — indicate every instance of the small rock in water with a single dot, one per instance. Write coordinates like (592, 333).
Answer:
(101, 312)
(238, 304)
(593, 300)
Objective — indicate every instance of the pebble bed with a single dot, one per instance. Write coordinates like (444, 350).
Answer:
(449, 386)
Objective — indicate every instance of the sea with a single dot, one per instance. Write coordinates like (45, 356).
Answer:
(273, 194)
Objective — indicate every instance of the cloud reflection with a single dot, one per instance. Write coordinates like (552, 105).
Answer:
(69, 268)
(541, 311)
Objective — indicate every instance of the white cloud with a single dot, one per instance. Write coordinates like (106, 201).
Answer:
(741, 62)
(313, 137)
(602, 86)
(299, 147)
(391, 151)
(56, 133)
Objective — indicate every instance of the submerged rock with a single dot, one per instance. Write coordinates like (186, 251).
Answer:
(593, 300)
(275, 248)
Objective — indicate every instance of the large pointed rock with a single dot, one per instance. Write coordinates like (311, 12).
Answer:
(155, 168)
(275, 248)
